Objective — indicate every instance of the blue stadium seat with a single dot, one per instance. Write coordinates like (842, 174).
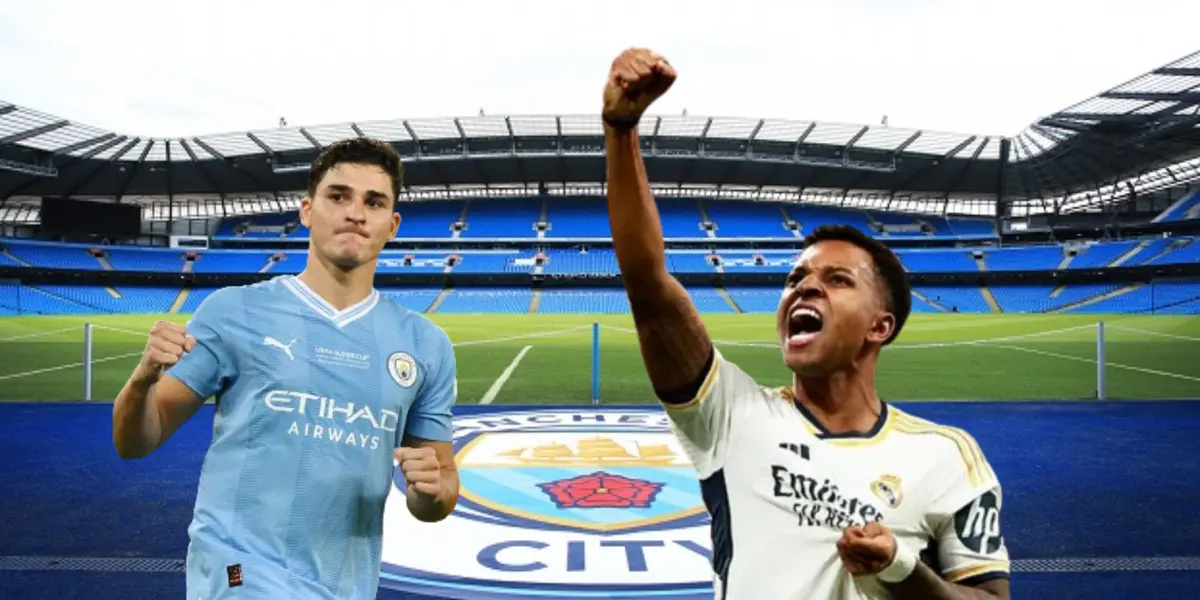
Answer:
(592, 262)
(414, 299)
(756, 299)
(690, 262)
(487, 300)
(964, 298)
(764, 261)
(581, 217)
(1186, 250)
(584, 300)
(680, 218)
(54, 256)
(1187, 208)
(747, 219)
(129, 259)
(231, 261)
(939, 260)
(1100, 254)
(428, 219)
(1037, 258)
(502, 218)
(577, 218)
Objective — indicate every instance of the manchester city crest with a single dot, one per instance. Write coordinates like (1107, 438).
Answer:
(402, 368)
(592, 502)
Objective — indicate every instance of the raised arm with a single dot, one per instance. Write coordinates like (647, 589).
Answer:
(152, 406)
(675, 346)
(180, 368)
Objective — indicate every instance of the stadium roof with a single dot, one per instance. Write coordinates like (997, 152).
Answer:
(51, 156)
(39, 131)
(1078, 157)
(1144, 128)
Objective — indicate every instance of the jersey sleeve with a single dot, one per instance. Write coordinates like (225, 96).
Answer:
(965, 519)
(706, 423)
(430, 418)
(209, 367)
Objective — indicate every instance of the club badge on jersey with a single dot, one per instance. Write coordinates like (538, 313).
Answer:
(402, 368)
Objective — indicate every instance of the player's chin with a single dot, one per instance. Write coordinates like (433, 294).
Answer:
(346, 259)
(807, 361)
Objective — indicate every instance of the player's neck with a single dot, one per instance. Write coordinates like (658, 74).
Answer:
(341, 288)
(843, 402)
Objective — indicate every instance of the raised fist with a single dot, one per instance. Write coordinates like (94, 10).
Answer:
(638, 77)
(167, 344)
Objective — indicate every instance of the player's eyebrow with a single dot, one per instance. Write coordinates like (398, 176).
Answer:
(342, 188)
(377, 195)
(801, 270)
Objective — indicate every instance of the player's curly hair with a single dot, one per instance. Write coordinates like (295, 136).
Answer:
(358, 151)
(898, 296)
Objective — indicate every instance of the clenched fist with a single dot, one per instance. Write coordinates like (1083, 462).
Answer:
(422, 473)
(867, 550)
(637, 78)
(167, 344)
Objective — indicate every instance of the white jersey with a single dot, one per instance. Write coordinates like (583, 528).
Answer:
(781, 491)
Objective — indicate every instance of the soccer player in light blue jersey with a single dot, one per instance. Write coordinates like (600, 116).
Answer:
(322, 386)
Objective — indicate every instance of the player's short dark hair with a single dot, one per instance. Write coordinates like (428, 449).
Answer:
(898, 293)
(358, 151)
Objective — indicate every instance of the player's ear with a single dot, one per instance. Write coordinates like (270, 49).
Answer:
(306, 212)
(395, 222)
(882, 328)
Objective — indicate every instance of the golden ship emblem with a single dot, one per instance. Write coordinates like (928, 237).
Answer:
(597, 451)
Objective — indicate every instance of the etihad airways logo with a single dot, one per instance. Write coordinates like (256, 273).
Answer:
(327, 419)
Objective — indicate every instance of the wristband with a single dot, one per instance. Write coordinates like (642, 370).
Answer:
(903, 564)
(621, 124)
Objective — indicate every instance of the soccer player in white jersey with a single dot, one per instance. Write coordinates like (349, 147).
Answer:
(322, 388)
(818, 490)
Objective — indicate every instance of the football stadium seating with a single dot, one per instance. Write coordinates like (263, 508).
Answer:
(575, 218)
(524, 221)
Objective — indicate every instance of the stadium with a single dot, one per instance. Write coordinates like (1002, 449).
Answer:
(1056, 278)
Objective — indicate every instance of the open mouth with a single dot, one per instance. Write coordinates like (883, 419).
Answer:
(804, 324)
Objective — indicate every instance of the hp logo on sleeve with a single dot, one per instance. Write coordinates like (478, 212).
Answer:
(978, 524)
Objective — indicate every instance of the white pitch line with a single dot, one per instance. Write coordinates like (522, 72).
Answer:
(39, 334)
(70, 366)
(1155, 333)
(1094, 361)
(503, 378)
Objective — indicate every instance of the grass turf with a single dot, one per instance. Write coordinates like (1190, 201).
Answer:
(938, 357)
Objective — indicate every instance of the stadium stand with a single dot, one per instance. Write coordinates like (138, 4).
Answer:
(46, 255)
(583, 218)
(1188, 207)
(59, 299)
(974, 219)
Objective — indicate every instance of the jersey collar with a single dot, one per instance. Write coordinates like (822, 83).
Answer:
(341, 318)
(825, 434)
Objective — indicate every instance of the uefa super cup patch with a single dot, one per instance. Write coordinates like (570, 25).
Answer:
(402, 368)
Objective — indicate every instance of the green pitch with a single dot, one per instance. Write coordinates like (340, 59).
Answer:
(938, 357)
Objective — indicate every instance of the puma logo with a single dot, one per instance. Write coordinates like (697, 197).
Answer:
(287, 349)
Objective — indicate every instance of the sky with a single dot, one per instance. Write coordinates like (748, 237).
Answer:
(166, 68)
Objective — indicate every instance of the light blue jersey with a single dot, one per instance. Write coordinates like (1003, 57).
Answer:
(311, 401)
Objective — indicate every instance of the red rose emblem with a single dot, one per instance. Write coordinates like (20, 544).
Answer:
(601, 490)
